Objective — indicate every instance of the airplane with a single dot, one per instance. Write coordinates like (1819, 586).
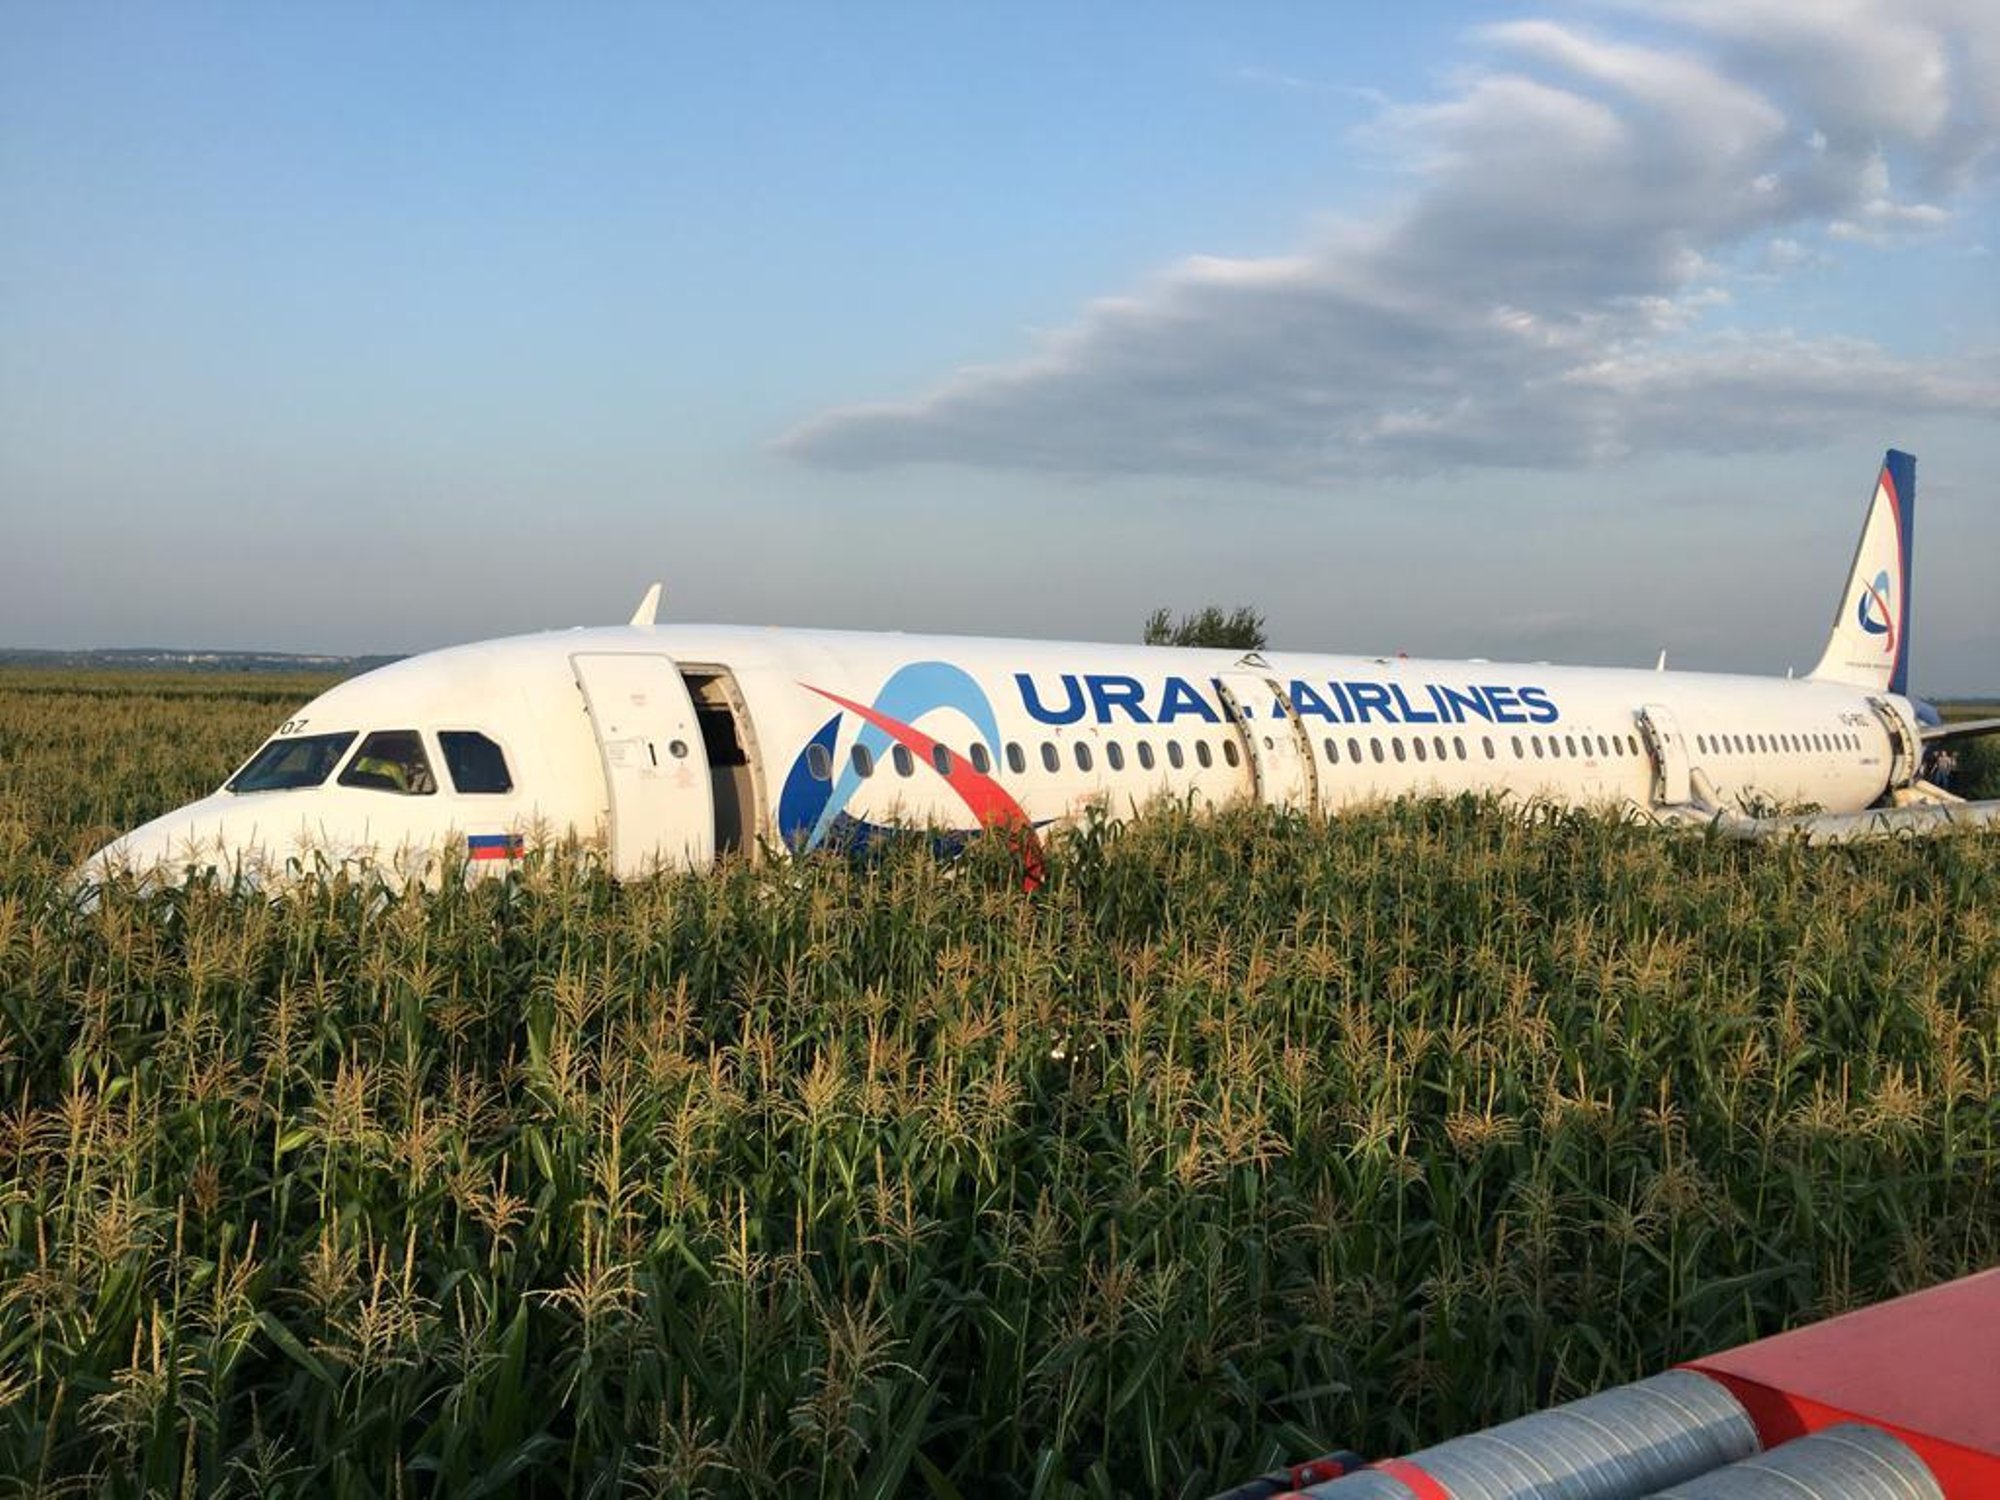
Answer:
(677, 745)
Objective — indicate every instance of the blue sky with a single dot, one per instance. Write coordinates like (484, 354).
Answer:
(1570, 331)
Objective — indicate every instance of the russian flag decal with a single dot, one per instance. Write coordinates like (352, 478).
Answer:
(493, 845)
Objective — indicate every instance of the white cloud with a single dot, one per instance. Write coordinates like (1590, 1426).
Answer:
(1537, 298)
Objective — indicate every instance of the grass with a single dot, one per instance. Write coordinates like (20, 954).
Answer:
(1247, 1136)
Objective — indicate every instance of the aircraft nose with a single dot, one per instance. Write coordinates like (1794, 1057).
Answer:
(172, 842)
(252, 841)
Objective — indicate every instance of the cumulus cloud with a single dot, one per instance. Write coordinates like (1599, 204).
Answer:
(1538, 298)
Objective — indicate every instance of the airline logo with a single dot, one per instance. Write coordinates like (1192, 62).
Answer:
(1106, 698)
(1873, 612)
(813, 806)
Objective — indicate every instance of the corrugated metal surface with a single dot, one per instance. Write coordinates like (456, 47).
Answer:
(1620, 1444)
(1848, 1462)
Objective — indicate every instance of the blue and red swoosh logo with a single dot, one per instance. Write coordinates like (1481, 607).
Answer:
(1873, 611)
(812, 808)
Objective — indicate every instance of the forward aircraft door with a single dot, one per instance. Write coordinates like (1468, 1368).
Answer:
(1671, 785)
(1281, 762)
(655, 772)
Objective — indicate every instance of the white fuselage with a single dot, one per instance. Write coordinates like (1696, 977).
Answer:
(673, 744)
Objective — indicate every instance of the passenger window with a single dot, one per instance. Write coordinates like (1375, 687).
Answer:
(1203, 754)
(1519, 752)
(1418, 745)
(474, 762)
(941, 759)
(904, 762)
(1332, 751)
(1458, 744)
(391, 760)
(1354, 751)
(1017, 758)
(1604, 747)
(1230, 753)
(1145, 756)
(819, 763)
(864, 762)
(1486, 744)
(1536, 741)
(1437, 744)
(1401, 752)
(1051, 761)
(1569, 744)
(1114, 755)
(1082, 756)
(981, 761)
(1375, 748)
(1174, 756)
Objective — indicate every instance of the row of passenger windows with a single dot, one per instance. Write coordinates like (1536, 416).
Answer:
(1768, 744)
(819, 761)
(1354, 750)
(1439, 747)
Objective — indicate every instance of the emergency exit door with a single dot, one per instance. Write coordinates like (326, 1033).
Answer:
(660, 808)
(1281, 762)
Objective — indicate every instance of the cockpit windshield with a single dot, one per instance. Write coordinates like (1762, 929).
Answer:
(285, 765)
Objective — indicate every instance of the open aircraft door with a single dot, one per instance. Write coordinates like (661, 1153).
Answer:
(1906, 755)
(1282, 770)
(1671, 785)
(656, 775)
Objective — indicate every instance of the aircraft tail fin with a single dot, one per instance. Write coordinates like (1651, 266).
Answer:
(1869, 646)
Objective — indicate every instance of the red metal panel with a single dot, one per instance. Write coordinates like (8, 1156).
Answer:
(1925, 1366)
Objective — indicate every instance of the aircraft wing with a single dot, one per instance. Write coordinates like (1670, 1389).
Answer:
(1964, 729)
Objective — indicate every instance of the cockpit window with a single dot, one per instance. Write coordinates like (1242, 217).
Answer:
(391, 760)
(474, 761)
(287, 764)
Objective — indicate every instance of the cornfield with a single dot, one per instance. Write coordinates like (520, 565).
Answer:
(1247, 1136)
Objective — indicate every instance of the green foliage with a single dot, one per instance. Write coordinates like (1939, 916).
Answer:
(1242, 629)
(1978, 775)
(1248, 1135)
(1979, 769)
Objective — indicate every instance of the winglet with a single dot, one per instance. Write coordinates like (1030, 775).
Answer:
(648, 612)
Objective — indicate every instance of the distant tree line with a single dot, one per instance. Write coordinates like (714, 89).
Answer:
(1242, 629)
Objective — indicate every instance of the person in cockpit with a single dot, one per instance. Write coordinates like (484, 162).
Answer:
(391, 761)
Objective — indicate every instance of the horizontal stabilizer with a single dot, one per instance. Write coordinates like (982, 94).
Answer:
(1964, 729)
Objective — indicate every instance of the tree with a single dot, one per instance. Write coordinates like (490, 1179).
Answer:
(1242, 629)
